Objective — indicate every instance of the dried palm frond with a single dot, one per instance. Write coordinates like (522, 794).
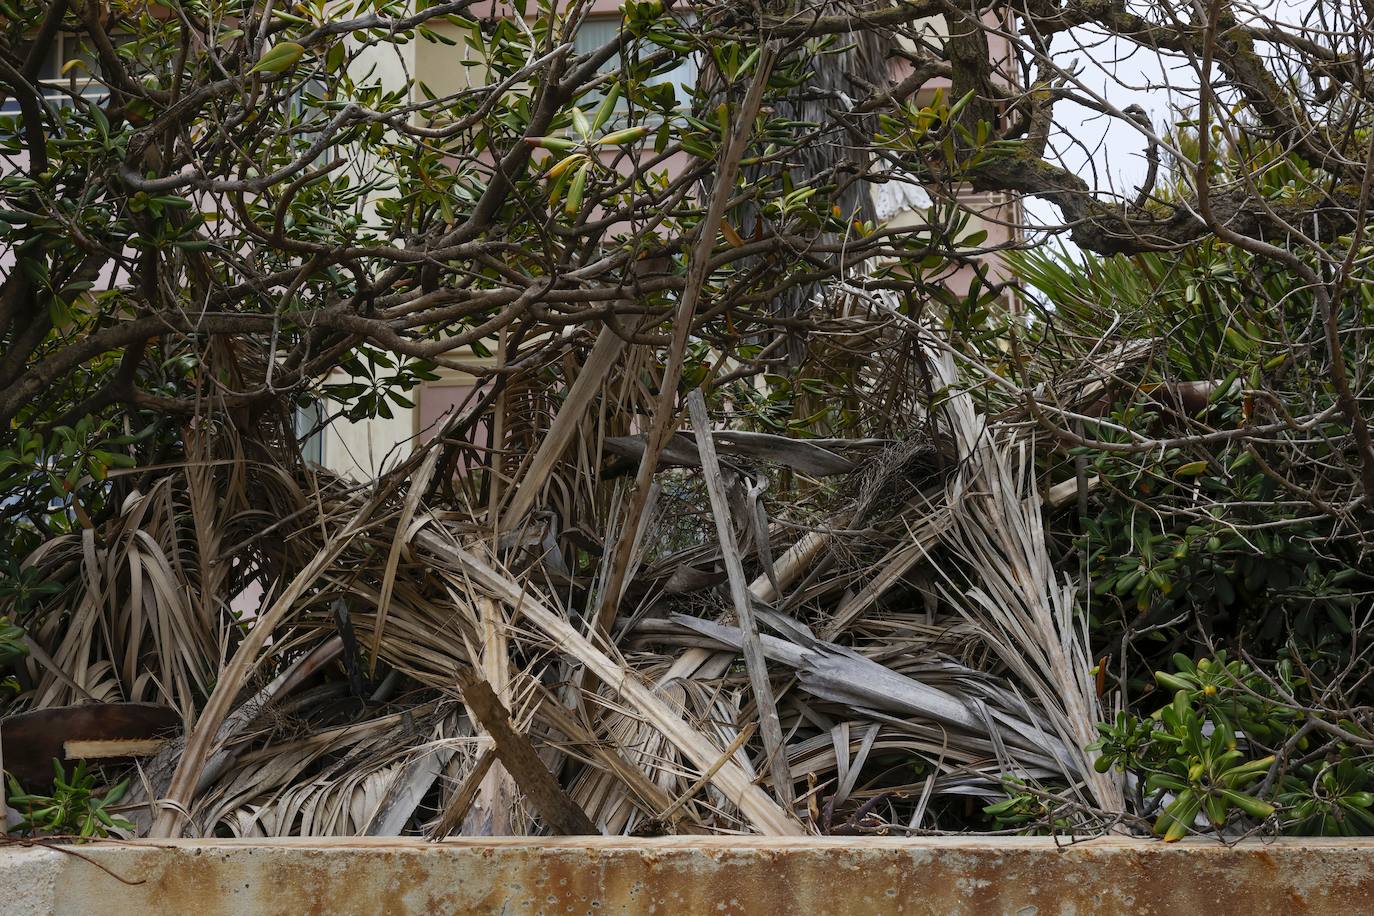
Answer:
(918, 643)
(1025, 608)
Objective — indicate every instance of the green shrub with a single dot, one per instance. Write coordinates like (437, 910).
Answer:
(75, 807)
(1235, 748)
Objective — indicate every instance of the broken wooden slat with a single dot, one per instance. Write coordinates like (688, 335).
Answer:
(754, 660)
(462, 800)
(798, 454)
(79, 749)
(32, 740)
(559, 812)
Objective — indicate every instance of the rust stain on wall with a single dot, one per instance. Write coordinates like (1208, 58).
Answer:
(1024, 877)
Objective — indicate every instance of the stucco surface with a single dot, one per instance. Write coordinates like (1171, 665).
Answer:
(1024, 877)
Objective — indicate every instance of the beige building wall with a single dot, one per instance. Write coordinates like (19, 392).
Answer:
(365, 448)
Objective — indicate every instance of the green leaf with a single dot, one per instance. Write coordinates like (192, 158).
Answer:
(1248, 803)
(573, 204)
(625, 137)
(580, 123)
(556, 144)
(607, 108)
(279, 58)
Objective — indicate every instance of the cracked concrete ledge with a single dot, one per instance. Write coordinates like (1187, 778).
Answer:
(859, 875)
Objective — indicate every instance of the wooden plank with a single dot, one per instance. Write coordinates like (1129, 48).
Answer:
(769, 725)
(462, 800)
(559, 812)
(101, 750)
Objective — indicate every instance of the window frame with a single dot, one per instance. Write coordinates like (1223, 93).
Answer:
(690, 67)
(57, 89)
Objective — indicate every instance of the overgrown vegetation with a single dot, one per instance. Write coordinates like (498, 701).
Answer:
(764, 508)
(1198, 541)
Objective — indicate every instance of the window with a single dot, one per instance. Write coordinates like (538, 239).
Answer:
(70, 52)
(596, 33)
(309, 433)
(304, 101)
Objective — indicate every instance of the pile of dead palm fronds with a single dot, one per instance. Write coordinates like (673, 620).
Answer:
(884, 646)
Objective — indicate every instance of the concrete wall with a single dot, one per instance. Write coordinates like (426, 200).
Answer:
(693, 877)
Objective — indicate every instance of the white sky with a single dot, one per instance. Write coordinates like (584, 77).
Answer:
(1106, 152)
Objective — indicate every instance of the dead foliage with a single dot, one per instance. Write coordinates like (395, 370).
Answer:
(882, 633)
